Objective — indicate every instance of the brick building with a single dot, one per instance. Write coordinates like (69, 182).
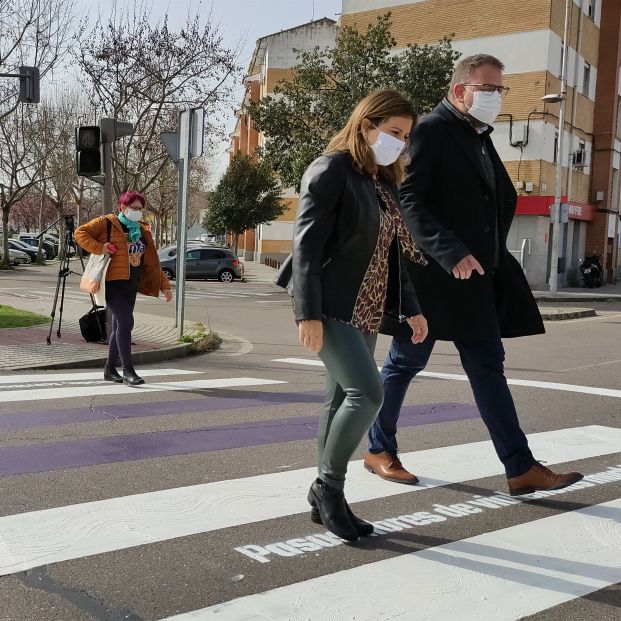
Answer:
(272, 61)
(528, 37)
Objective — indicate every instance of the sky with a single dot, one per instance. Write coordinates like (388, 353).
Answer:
(241, 23)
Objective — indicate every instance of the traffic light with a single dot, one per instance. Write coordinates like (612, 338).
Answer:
(29, 85)
(88, 154)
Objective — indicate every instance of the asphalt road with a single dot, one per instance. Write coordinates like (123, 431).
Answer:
(189, 494)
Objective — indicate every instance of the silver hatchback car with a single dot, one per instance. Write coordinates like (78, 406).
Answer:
(204, 262)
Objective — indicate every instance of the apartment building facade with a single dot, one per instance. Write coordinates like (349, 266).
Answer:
(272, 61)
(528, 37)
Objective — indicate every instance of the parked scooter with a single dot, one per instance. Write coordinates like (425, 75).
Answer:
(591, 270)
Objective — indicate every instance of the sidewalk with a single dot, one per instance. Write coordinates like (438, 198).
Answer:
(155, 339)
(580, 294)
(259, 272)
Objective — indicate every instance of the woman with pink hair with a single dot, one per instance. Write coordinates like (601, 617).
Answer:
(134, 268)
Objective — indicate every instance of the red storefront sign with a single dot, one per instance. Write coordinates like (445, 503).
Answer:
(540, 206)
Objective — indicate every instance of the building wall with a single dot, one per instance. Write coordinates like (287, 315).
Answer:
(280, 55)
(603, 235)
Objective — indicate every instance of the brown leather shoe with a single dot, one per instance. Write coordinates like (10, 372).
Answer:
(388, 467)
(538, 478)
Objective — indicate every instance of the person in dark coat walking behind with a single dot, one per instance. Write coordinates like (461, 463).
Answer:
(458, 202)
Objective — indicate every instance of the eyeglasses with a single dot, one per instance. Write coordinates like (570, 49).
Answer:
(489, 88)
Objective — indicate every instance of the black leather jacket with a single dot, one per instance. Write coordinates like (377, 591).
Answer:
(335, 236)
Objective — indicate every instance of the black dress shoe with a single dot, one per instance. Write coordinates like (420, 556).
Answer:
(112, 375)
(364, 529)
(131, 379)
(332, 509)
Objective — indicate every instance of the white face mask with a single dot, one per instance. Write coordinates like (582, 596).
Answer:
(135, 215)
(387, 149)
(486, 106)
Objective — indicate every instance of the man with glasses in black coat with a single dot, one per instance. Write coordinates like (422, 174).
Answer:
(458, 202)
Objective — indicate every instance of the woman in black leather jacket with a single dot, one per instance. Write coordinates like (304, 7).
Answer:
(345, 275)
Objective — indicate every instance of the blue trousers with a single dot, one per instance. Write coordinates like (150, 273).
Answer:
(483, 363)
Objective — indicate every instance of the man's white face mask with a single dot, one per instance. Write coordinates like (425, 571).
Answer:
(485, 106)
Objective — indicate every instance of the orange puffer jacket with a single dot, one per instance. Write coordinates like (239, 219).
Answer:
(93, 235)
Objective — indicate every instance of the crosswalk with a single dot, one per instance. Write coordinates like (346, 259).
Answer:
(457, 545)
(217, 291)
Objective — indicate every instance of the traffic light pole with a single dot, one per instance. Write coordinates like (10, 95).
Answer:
(107, 177)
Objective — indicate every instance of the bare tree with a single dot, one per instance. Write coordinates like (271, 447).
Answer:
(32, 32)
(146, 74)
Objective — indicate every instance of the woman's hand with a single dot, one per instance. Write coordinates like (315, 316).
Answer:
(311, 334)
(109, 248)
(167, 294)
(419, 327)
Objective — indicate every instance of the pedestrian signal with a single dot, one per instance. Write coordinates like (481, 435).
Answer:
(88, 154)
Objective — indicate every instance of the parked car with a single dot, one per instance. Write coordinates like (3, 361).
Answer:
(17, 257)
(166, 252)
(32, 240)
(22, 247)
(52, 239)
(205, 262)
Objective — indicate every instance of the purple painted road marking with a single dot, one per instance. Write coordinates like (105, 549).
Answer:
(61, 455)
(250, 399)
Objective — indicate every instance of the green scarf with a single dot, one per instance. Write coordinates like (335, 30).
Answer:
(132, 227)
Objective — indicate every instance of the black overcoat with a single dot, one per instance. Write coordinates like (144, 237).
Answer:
(452, 211)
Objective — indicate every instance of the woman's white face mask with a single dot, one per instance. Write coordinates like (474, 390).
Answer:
(135, 215)
(387, 148)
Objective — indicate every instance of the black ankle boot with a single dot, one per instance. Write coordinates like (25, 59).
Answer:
(330, 503)
(112, 375)
(364, 529)
(131, 379)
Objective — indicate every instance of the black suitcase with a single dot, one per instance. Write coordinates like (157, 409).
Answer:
(93, 325)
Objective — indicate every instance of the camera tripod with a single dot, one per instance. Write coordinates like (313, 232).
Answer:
(63, 272)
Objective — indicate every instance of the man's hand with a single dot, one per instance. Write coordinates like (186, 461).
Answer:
(466, 266)
(168, 295)
(311, 334)
(418, 323)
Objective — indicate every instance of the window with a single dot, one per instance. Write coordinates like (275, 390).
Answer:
(586, 81)
(591, 8)
(560, 71)
(619, 118)
(212, 254)
(555, 147)
(193, 255)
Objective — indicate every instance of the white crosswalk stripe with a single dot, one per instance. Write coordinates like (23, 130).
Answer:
(53, 535)
(591, 390)
(69, 392)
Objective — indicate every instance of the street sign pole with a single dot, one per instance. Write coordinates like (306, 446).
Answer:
(185, 132)
(182, 146)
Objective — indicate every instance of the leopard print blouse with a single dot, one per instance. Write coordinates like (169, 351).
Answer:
(371, 298)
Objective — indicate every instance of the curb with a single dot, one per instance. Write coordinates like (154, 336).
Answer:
(142, 357)
(577, 298)
(580, 313)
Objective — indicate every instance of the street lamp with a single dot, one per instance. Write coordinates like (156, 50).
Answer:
(555, 214)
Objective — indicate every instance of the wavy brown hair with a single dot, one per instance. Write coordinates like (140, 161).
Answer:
(376, 108)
